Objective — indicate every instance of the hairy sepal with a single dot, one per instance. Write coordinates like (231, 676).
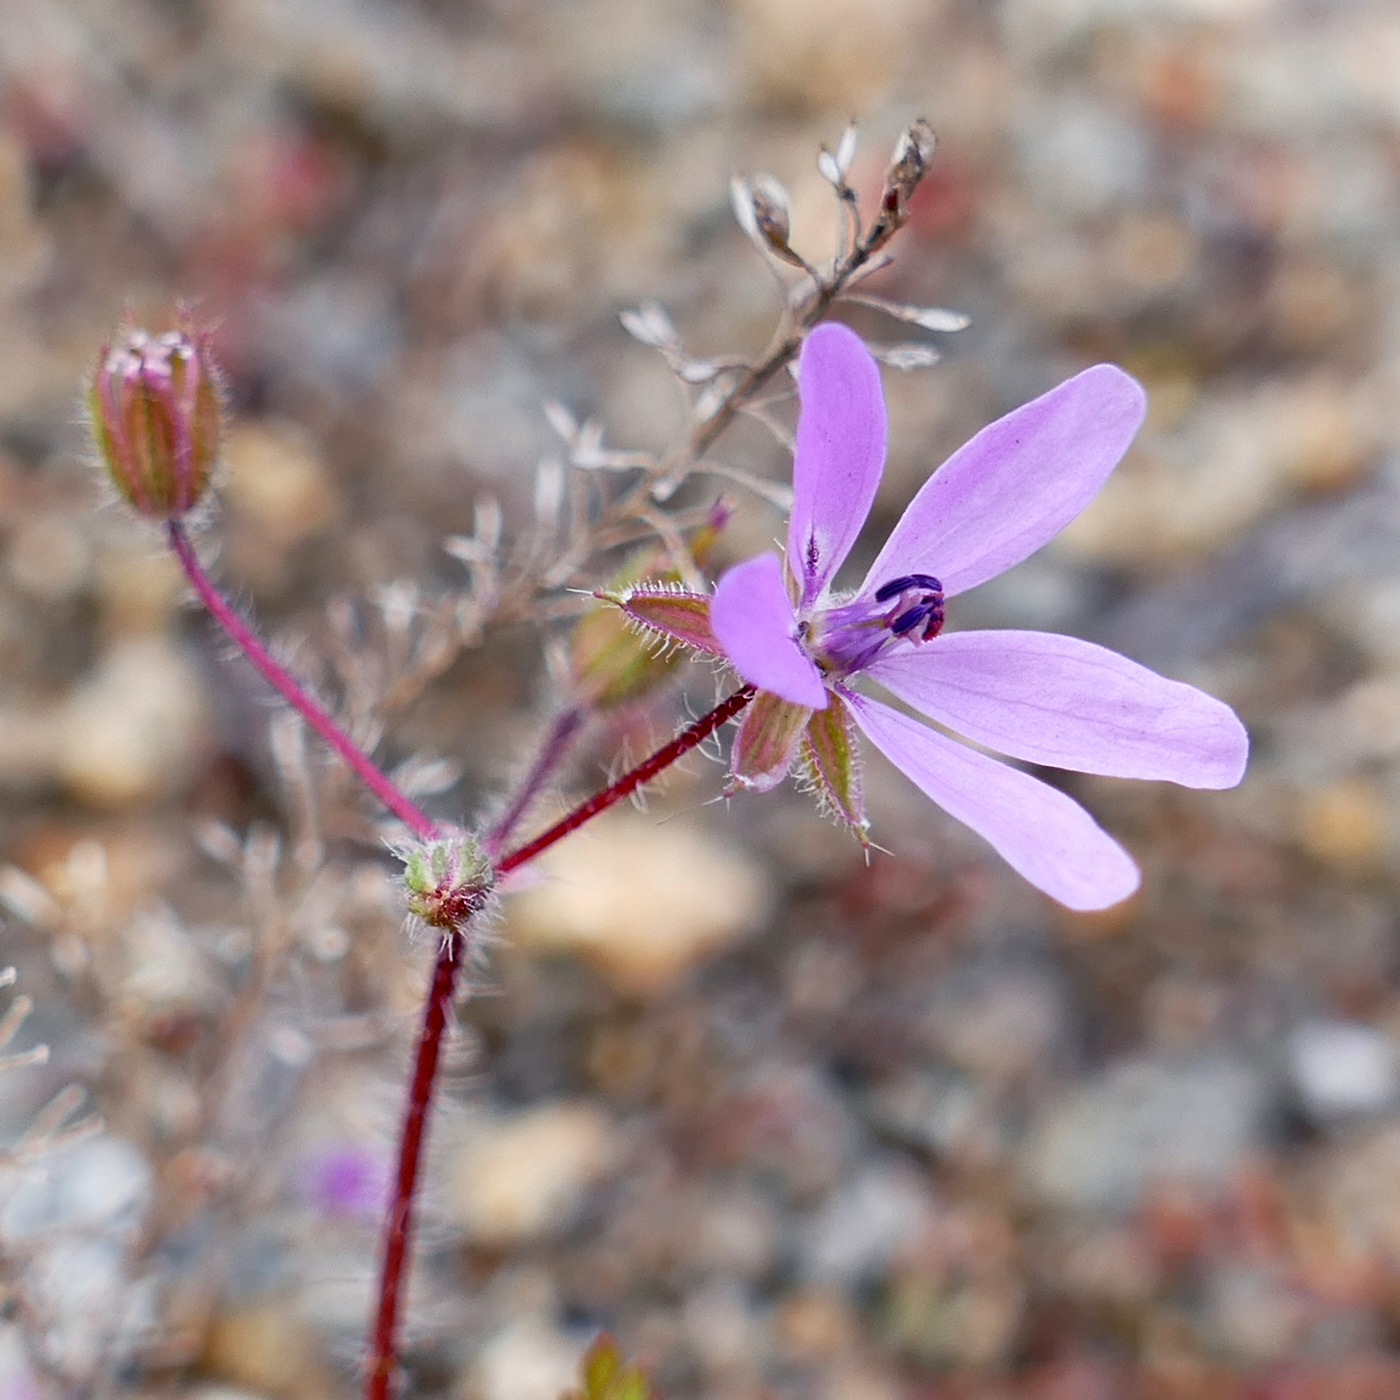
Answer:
(766, 745)
(832, 764)
(670, 612)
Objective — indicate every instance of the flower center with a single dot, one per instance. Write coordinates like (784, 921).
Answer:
(847, 638)
(917, 606)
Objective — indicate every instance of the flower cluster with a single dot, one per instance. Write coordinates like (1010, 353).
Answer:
(1034, 696)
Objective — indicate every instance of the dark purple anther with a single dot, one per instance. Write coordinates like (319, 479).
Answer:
(896, 586)
(907, 621)
(921, 613)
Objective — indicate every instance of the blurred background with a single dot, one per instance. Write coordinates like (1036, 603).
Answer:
(786, 1122)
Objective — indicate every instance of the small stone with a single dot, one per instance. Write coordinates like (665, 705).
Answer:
(530, 1359)
(735, 1232)
(863, 1224)
(833, 55)
(266, 1346)
(101, 1186)
(48, 558)
(521, 1176)
(1142, 1122)
(131, 732)
(279, 494)
(1346, 825)
(720, 1328)
(815, 1323)
(276, 479)
(17, 1378)
(643, 902)
(1342, 1069)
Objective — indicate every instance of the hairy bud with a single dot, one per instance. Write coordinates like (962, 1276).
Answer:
(612, 665)
(156, 411)
(447, 881)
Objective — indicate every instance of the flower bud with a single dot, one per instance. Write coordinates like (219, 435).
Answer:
(447, 881)
(611, 663)
(156, 411)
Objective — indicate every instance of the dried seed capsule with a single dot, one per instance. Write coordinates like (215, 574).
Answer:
(156, 411)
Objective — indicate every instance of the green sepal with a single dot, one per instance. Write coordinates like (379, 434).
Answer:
(670, 611)
(832, 763)
(766, 744)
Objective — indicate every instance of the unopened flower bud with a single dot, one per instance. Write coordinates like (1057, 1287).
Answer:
(612, 663)
(447, 881)
(156, 411)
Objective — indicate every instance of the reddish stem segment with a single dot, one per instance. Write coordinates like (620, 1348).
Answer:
(398, 1231)
(398, 1228)
(561, 733)
(644, 772)
(290, 689)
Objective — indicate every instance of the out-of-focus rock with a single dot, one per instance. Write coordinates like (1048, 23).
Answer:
(1342, 1069)
(132, 731)
(520, 1176)
(529, 1359)
(1141, 1122)
(1346, 825)
(278, 493)
(48, 557)
(17, 1378)
(642, 901)
(863, 1224)
(1228, 462)
(265, 1346)
(831, 55)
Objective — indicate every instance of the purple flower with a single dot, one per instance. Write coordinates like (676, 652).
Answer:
(347, 1179)
(1033, 696)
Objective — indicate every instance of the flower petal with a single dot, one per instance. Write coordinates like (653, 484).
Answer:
(751, 616)
(840, 454)
(1044, 835)
(1071, 704)
(1016, 485)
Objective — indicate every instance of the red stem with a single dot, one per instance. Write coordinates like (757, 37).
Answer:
(291, 690)
(644, 772)
(399, 1223)
(561, 733)
(398, 1227)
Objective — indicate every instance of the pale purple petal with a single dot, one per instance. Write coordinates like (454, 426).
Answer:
(1016, 485)
(752, 617)
(1044, 835)
(1071, 704)
(839, 457)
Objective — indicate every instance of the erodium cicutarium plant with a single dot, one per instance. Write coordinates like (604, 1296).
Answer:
(1034, 696)
(805, 651)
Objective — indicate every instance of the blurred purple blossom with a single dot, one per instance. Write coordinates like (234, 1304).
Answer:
(346, 1179)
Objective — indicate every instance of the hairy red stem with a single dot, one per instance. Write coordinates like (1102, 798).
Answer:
(399, 1224)
(292, 692)
(398, 1227)
(561, 733)
(644, 772)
